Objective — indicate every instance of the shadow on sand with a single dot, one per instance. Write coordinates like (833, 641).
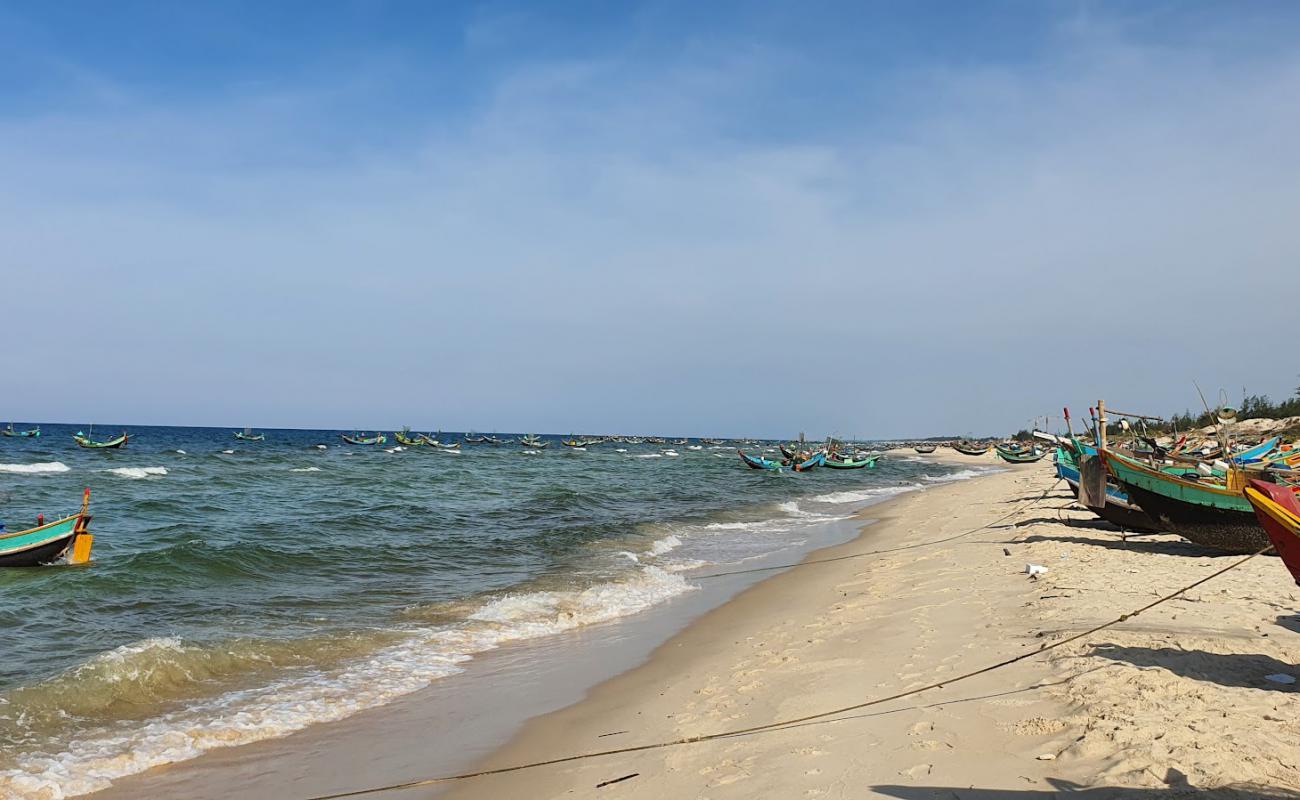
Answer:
(1178, 788)
(1239, 670)
(1139, 543)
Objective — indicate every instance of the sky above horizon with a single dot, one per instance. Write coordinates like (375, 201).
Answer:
(877, 219)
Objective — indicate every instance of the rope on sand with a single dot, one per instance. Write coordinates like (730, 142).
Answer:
(785, 723)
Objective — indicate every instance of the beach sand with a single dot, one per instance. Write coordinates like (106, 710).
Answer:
(1174, 699)
(1162, 705)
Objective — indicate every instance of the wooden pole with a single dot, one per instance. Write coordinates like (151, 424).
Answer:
(1101, 422)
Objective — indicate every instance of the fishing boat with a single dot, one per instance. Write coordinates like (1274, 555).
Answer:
(362, 439)
(848, 462)
(758, 462)
(1116, 509)
(1207, 513)
(1256, 454)
(474, 438)
(533, 441)
(84, 440)
(43, 544)
(810, 462)
(247, 435)
(970, 448)
(1022, 456)
(404, 438)
(714, 442)
(1278, 511)
(788, 453)
(28, 434)
(925, 449)
(575, 442)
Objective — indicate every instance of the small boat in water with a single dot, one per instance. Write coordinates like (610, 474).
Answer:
(362, 439)
(28, 434)
(848, 462)
(1278, 511)
(84, 440)
(405, 439)
(51, 541)
(533, 441)
(810, 462)
(247, 435)
(758, 462)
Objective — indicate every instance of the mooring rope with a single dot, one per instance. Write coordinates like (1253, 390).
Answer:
(780, 724)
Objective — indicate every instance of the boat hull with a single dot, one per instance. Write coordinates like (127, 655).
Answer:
(1278, 511)
(38, 546)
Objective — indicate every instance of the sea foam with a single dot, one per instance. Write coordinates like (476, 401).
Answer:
(137, 473)
(282, 707)
(34, 469)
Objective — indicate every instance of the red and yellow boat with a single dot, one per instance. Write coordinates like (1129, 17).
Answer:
(1278, 511)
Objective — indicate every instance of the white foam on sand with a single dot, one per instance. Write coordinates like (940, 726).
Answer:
(43, 468)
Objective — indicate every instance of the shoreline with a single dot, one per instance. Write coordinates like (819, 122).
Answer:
(483, 707)
(1176, 703)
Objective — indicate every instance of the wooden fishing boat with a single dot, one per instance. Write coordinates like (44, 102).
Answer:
(43, 544)
(925, 449)
(848, 462)
(970, 448)
(758, 462)
(1278, 511)
(533, 441)
(247, 435)
(404, 438)
(1210, 514)
(1256, 454)
(362, 439)
(85, 441)
(1117, 509)
(27, 434)
(1023, 456)
(810, 462)
(787, 453)
(579, 443)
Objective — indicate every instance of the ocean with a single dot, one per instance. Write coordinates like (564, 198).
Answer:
(242, 591)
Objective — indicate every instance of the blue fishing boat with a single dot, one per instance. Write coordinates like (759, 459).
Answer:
(758, 462)
(28, 434)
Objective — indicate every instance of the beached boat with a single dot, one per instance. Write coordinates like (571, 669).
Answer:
(1256, 454)
(362, 439)
(84, 440)
(925, 449)
(1210, 514)
(758, 462)
(1117, 509)
(970, 448)
(404, 438)
(27, 434)
(247, 435)
(43, 544)
(848, 462)
(810, 462)
(1278, 511)
(1022, 456)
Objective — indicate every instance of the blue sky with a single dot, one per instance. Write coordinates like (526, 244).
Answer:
(734, 218)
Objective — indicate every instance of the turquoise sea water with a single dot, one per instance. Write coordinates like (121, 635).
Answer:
(241, 591)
